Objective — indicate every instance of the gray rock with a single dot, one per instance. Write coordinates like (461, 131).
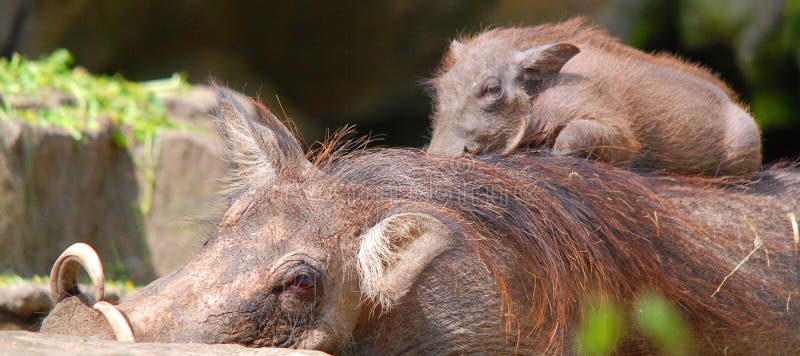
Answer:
(181, 196)
(55, 191)
(25, 299)
(24, 305)
(181, 208)
(28, 343)
(145, 209)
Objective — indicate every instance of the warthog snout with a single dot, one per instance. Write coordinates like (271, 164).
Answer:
(64, 284)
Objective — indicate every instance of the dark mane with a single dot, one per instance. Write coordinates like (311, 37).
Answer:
(582, 227)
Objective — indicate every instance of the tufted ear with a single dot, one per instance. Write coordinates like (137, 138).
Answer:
(395, 251)
(457, 49)
(544, 61)
(260, 146)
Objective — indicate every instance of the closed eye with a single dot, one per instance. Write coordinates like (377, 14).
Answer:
(303, 284)
(491, 87)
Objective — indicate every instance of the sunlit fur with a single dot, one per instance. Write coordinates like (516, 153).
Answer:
(373, 255)
(580, 30)
(609, 102)
(576, 228)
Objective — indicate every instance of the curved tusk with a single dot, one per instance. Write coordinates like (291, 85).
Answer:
(64, 275)
(119, 324)
(515, 142)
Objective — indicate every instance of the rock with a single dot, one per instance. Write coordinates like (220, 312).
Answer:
(146, 209)
(45, 99)
(28, 343)
(55, 191)
(181, 201)
(24, 300)
(197, 106)
(24, 305)
(182, 209)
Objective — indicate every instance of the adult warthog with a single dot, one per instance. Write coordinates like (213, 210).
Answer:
(394, 251)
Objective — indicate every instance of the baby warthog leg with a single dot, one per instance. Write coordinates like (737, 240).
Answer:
(590, 138)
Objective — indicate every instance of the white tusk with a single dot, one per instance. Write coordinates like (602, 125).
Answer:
(515, 142)
(64, 275)
(119, 324)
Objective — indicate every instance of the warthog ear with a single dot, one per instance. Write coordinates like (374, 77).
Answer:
(395, 251)
(457, 49)
(261, 147)
(544, 61)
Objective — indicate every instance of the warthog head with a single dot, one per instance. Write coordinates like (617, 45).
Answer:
(395, 251)
(302, 258)
(482, 97)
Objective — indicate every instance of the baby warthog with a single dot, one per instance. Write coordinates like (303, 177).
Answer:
(572, 86)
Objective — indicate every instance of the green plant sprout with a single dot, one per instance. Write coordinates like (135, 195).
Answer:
(51, 92)
(602, 329)
(605, 324)
(10, 279)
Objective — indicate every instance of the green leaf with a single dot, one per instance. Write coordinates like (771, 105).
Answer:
(662, 324)
(91, 98)
(602, 328)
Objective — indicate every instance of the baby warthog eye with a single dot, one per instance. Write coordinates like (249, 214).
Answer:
(491, 88)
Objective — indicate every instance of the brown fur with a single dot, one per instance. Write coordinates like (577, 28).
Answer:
(608, 101)
(549, 210)
(530, 237)
(577, 30)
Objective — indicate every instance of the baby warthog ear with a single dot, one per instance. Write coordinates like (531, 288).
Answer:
(394, 252)
(261, 147)
(457, 49)
(545, 60)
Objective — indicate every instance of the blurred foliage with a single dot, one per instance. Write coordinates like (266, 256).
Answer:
(754, 46)
(8, 280)
(605, 324)
(28, 88)
(661, 323)
(602, 328)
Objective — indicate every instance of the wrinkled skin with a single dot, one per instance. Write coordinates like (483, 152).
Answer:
(575, 89)
(379, 254)
(274, 283)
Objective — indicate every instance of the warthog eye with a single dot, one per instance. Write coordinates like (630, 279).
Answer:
(302, 283)
(491, 88)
